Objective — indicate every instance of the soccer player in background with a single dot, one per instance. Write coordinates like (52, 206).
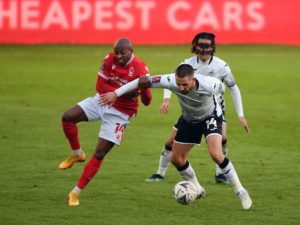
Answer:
(204, 62)
(118, 68)
(201, 115)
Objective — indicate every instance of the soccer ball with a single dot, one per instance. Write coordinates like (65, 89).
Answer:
(185, 192)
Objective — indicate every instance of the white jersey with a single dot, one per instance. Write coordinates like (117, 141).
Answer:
(216, 68)
(197, 104)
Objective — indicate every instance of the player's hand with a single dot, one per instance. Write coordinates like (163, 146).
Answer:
(108, 98)
(144, 82)
(244, 123)
(165, 106)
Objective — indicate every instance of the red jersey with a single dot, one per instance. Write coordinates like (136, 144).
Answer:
(112, 76)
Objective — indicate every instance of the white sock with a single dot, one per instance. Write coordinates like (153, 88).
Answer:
(218, 170)
(164, 160)
(76, 189)
(77, 152)
(189, 175)
(231, 175)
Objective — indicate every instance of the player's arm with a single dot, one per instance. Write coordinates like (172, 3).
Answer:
(238, 105)
(236, 96)
(110, 97)
(165, 105)
(146, 96)
(142, 82)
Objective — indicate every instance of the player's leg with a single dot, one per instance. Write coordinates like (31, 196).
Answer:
(219, 176)
(86, 110)
(188, 134)
(164, 159)
(111, 132)
(214, 142)
(165, 155)
(179, 160)
(69, 120)
(90, 169)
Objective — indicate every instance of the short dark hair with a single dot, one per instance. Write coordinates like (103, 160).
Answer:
(184, 70)
(204, 35)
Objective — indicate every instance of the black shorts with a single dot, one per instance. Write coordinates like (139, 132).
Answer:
(191, 132)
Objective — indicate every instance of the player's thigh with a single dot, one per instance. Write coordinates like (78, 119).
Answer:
(113, 125)
(213, 134)
(224, 130)
(92, 109)
(74, 115)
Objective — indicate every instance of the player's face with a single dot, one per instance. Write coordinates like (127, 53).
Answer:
(204, 49)
(123, 55)
(185, 84)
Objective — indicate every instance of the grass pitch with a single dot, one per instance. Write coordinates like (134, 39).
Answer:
(38, 83)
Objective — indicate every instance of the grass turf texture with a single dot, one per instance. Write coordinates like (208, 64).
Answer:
(38, 83)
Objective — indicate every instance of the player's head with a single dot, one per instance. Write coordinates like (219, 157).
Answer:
(204, 45)
(185, 78)
(123, 50)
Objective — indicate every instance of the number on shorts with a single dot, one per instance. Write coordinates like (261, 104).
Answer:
(211, 124)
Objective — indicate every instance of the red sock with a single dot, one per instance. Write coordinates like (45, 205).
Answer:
(71, 132)
(89, 172)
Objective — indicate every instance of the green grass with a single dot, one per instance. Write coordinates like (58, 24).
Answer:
(38, 83)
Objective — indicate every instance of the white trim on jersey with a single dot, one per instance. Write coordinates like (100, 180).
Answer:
(103, 76)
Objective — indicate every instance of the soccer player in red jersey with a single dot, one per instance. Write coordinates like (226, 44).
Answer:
(118, 68)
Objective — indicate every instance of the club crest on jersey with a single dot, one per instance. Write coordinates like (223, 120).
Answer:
(113, 66)
(155, 79)
(210, 73)
(131, 72)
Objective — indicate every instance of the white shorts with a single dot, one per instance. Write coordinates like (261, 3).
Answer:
(113, 121)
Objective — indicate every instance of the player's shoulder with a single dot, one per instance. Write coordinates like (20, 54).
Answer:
(109, 57)
(138, 62)
(140, 67)
(218, 62)
(205, 81)
(191, 61)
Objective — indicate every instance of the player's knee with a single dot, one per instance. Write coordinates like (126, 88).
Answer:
(217, 158)
(177, 161)
(99, 155)
(66, 117)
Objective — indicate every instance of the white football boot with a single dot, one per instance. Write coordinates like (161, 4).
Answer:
(244, 198)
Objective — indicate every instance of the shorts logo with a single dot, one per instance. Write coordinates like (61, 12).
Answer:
(156, 79)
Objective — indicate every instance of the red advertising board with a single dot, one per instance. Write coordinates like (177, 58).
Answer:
(148, 21)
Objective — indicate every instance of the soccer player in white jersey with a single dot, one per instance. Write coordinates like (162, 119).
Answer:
(201, 115)
(204, 62)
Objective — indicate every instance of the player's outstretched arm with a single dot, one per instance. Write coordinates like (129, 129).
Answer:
(110, 97)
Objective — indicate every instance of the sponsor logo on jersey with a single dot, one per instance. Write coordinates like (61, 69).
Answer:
(155, 79)
(131, 72)
(113, 66)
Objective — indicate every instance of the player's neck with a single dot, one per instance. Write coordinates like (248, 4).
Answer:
(204, 60)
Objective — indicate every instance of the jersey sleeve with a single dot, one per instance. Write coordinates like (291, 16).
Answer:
(228, 76)
(163, 81)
